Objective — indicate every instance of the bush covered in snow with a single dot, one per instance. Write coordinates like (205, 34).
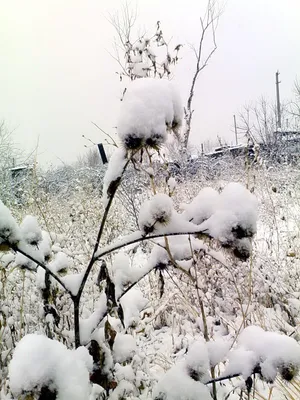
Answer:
(74, 322)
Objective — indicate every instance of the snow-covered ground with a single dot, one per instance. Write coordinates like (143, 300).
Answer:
(262, 291)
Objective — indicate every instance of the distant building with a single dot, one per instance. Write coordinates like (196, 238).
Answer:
(237, 150)
(21, 171)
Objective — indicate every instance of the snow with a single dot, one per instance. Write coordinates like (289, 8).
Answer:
(88, 325)
(73, 282)
(140, 69)
(271, 350)
(202, 207)
(172, 184)
(150, 107)
(114, 171)
(177, 385)
(217, 350)
(155, 212)
(97, 392)
(228, 216)
(6, 259)
(124, 373)
(197, 360)
(121, 272)
(30, 230)
(9, 230)
(131, 238)
(235, 215)
(45, 244)
(38, 361)
(241, 361)
(60, 262)
(124, 348)
(40, 278)
(180, 248)
(123, 391)
(32, 251)
(132, 303)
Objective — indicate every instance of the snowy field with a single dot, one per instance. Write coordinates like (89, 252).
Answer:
(206, 308)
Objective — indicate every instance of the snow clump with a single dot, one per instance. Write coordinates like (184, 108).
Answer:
(41, 362)
(235, 215)
(150, 108)
(178, 385)
(9, 230)
(268, 352)
(113, 173)
(155, 212)
(30, 230)
(124, 348)
(202, 207)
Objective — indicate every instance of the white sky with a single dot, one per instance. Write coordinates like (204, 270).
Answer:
(56, 75)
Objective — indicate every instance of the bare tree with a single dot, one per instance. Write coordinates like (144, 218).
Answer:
(209, 24)
(294, 108)
(258, 122)
(6, 147)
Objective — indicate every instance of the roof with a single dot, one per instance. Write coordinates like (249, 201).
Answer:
(21, 167)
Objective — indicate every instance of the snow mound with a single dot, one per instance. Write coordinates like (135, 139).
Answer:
(235, 215)
(270, 351)
(202, 207)
(155, 212)
(150, 108)
(38, 361)
(30, 230)
(178, 385)
(9, 230)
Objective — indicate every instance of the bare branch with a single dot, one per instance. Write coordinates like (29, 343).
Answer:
(105, 133)
(209, 24)
(43, 266)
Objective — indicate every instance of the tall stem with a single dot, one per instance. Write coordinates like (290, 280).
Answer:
(76, 301)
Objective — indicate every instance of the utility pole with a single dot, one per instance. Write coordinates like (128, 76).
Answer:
(278, 101)
(235, 130)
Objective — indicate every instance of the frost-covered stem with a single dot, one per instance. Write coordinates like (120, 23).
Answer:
(142, 238)
(205, 328)
(244, 313)
(16, 249)
(22, 307)
(100, 232)
(134, 283)
(151, 176)
(123, 294)
(222, 378)
(204, 321)
(76, 301)
(270, 393)
(167, 246)
(214, 386)
(173, 261)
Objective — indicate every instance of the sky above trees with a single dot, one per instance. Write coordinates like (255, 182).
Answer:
(57, 75)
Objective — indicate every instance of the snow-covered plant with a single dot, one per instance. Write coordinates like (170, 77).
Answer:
(102, 324)
(141, 55)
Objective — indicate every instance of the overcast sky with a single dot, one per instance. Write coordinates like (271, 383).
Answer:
(56, 75)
